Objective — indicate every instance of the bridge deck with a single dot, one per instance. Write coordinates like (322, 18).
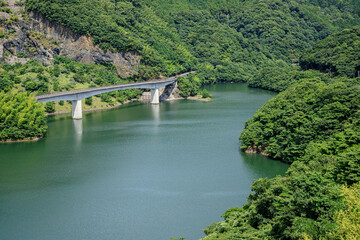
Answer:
(129, 85)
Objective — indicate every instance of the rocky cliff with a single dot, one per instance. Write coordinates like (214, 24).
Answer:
(29, 36)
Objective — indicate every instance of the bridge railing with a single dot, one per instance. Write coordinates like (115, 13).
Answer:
(77, 95)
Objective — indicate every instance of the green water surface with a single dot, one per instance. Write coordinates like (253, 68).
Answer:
(136, 172)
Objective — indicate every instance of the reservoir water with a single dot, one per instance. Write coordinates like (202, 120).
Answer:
(140, 171)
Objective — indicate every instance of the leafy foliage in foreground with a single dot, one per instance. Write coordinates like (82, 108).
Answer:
(21, 117)
(348, 219)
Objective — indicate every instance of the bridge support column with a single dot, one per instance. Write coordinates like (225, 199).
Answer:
(155, 96)
(76, 109)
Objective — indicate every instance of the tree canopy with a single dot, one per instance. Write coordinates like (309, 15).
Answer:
(21, 117)
(237, 38)
(339, 54)
(314, 125)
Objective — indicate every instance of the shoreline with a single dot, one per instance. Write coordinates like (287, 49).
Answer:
(256, 150)
(199, 99)
(131, 101)
(94, 109)
(100, 109)
(262, 153)
(22, 140)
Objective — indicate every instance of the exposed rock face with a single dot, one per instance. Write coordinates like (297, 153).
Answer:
(13, 6)
(23, 45)
(170, 92)
(257, 150)
(167, 93)
(21, 48)
(81, 48)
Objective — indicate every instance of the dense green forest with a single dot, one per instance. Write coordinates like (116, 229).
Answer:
(308, 112)
(254, 41)
(338, 55)
(313, 124)
(123, 26)
(308, 50)
(224, 40)
(64, 75)
(21, 117)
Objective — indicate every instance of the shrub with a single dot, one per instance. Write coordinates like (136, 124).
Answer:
(205, 94)
(88, 101)
(21, 117)
(50, 107)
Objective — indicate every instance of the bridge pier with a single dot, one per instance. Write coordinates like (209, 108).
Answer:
(76, 109)
(155, 96)
(84, 93)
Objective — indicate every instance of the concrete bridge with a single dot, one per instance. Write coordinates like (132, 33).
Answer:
(77, 95)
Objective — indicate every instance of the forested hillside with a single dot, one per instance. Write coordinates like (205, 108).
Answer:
(279, 45)
(338, 54)
(231, 40)
(316, 126)
(64, 75)
(122, 26)
(313, 124)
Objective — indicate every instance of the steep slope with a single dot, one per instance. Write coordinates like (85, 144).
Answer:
(338, 54)
(241, 38)
(122, 26)
(313, 124)
(236, 37)
(29, 36)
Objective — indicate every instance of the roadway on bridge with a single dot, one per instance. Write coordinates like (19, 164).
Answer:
(88, 91)
(77, 95)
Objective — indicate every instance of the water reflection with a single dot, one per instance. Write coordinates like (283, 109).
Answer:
(269, 167)
(78, 126)
(155, 110)
(122, 170)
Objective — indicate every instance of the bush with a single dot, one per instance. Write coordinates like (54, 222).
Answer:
(21, 117)
(205, 94)
(189, 86)
(50, 107)
(105, 97)
(79, 78)
(5, 84)
(88, 101)
(31, 85)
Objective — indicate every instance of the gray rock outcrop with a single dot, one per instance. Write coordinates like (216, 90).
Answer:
(40, 39)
